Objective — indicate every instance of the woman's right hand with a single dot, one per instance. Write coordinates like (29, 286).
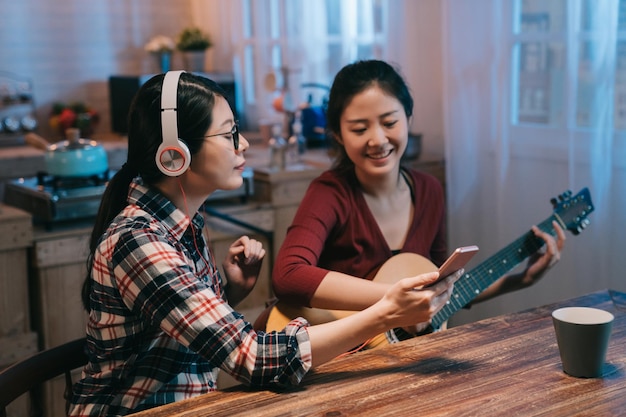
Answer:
(416, 300)
(420, 327)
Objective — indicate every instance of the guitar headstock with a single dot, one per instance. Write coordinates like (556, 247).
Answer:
(573, 211)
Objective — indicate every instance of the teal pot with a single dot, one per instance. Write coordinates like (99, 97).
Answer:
(73, 157)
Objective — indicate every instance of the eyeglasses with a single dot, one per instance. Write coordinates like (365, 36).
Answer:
(234, 133)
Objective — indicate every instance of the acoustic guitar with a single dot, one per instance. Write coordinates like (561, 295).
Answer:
(569, 211)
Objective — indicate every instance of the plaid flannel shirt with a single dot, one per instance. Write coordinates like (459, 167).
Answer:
(160, 327)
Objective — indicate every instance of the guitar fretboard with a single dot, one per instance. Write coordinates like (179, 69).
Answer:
(486, 273)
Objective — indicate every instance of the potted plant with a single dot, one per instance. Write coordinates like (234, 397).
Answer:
(193, 43)
(161, 47)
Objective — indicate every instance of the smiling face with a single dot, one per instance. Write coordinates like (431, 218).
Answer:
(217, 165)
(374, 132)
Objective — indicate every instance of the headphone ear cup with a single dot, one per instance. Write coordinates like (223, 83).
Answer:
(173, 160)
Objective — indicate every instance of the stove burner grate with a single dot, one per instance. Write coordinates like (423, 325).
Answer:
(58, 183)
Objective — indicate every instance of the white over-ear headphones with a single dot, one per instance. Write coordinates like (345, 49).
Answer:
(173, 156)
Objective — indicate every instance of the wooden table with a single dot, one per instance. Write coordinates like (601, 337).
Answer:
(503, 366)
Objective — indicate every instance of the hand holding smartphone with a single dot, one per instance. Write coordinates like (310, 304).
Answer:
(456, 261)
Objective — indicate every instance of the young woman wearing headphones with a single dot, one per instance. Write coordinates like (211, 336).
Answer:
(161, 315)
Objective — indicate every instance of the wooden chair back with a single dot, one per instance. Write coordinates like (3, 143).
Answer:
(33, 371)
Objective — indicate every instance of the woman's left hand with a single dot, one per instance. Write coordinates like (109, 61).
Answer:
(547, 257)
(241, 267)
(538, 264)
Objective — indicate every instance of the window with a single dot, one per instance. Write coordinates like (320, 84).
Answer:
(566, 54)
(301, 44)
(539, 59)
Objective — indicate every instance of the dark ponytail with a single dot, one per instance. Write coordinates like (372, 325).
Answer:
(113, 201)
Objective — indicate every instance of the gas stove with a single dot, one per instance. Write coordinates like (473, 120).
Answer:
(52, 199)
(57, 200)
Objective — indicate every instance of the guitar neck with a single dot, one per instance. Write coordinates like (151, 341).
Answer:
(475, 281)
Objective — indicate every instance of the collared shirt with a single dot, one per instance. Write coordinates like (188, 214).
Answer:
(160, 327)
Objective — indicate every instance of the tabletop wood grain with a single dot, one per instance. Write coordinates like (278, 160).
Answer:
(503, 366)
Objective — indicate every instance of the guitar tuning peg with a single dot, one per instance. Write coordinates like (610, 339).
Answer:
(553, 201)
(586, 222)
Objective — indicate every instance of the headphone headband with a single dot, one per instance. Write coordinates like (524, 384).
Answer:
(169, 95)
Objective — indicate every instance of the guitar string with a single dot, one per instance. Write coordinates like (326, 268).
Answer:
(480, 277)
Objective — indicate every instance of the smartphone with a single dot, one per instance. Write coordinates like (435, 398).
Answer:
(456, 261)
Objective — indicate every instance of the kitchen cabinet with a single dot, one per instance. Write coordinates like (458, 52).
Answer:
(17, 339)
(58, 268)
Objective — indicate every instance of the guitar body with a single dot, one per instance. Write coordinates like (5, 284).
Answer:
(394, 269)
(569, 211)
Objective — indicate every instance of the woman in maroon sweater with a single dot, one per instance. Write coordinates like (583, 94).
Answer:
(367, 208)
